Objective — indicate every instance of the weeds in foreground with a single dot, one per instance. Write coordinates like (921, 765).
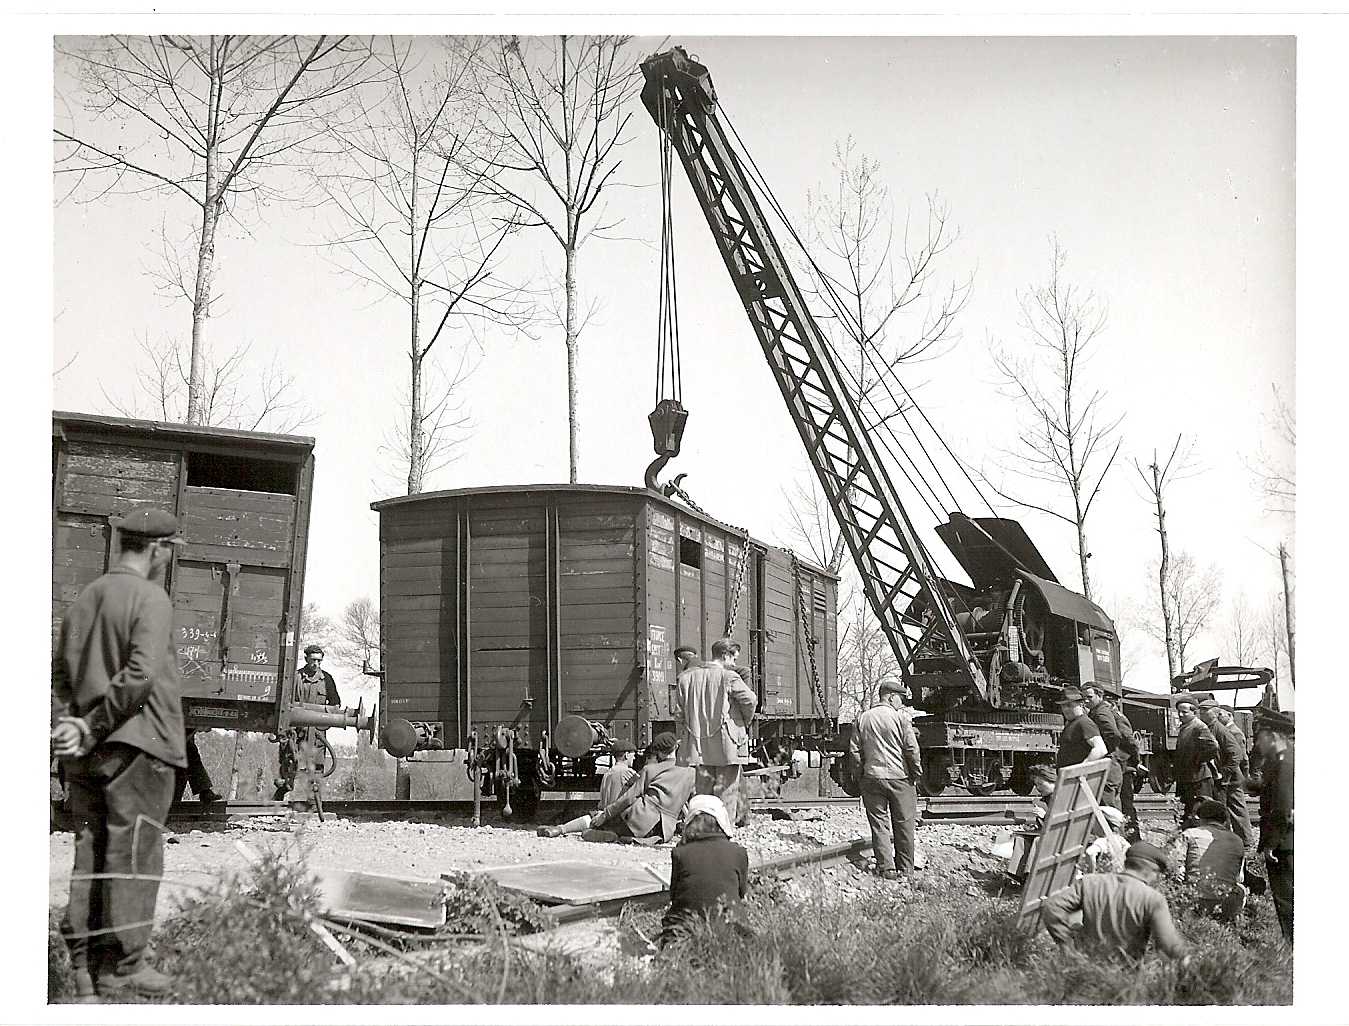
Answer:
(253, 943)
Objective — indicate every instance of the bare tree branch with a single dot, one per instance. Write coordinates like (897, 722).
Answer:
(1064, 437)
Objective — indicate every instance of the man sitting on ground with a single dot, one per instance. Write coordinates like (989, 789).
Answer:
(1119, 912)
(648, 810)
(1212, 859)
(618, 777)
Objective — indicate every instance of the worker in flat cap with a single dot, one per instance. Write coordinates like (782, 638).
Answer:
(1195, 759)
(1232, 769)
(884, 745)
(1115, 915)
(712, 709)
(117, 726)
(1080, 739)
(313, 686)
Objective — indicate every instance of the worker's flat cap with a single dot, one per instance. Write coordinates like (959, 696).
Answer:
(150, 523)
(622, 747)
(893, 685)
(686, 648)
(1208, 703)
(1070, 695)
(1141, 851)
(1185, 698)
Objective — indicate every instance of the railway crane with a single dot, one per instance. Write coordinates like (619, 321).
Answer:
(983, 661)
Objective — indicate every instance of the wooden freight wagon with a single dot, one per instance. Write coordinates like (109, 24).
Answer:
(242, 501)
(513, 609)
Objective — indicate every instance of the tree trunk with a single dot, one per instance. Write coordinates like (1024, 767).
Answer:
(1162, 574)
(572, 432)
(211, 209)
(1287, 611)
(1082, 553)
(416, 429)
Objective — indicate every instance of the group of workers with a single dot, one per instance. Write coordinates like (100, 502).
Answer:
(117, 728)
(693, 775)
(1120, 912)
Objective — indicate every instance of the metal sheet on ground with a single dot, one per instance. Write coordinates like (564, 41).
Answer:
(1073, 808)
(575, 883)
(381, 899)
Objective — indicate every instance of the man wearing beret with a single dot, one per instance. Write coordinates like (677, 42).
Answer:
(1080, 739)
(117, 726)
(1196, 748)
(884, 744)
(1119, 912)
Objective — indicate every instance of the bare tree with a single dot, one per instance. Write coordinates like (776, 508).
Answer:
(161, 389)
(1242, 641)
(1156, 478)
(1067, 440)
(881, 306)
(558, 110)
(1275, 472)
(1192, 595)
(357, 633)
(205, 119)
(1274, 629)
(850, 234)
(416, 225)
(315, 627)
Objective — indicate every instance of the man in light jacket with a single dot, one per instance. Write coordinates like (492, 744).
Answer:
(712, 710)
(884, 742)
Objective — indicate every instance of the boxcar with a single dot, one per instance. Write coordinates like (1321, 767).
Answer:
(507, 611)
(242, 500)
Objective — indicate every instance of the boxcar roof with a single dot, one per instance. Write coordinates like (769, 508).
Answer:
(628, 490)
(96, 423)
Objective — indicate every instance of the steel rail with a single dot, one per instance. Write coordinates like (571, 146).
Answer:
(955, 808)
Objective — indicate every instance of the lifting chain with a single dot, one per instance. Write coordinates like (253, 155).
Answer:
(734, 614)
(817, 691)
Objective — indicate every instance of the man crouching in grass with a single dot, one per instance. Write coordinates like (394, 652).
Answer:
(1116, 914)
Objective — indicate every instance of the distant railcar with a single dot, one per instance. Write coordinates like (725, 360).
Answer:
(530, 625)
(242, 502)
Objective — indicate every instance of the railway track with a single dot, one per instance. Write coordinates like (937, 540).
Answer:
(963, 809)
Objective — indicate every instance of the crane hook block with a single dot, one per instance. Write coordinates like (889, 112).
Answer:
(667, 426)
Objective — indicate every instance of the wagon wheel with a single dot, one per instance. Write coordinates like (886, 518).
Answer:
(984, 788)
(933, 782)
(1020, 784)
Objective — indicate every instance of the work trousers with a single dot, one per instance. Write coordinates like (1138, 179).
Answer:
(1191, 794)
(1114, 782)
(726, 783)
(1126, 803)
(1235, 799)
(892, 811)
(195, 776)
(1279, 865)
(119, 798)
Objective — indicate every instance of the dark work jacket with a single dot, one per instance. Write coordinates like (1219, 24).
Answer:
(1231, 752)
(1276, 801)
(115, 668)
(1113, 732)
(703, 871)
(1195, 746)
(305, 691)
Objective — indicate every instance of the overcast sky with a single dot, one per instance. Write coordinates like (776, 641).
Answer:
(1163, 165)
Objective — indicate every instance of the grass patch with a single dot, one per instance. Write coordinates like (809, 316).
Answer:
(794, 944)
